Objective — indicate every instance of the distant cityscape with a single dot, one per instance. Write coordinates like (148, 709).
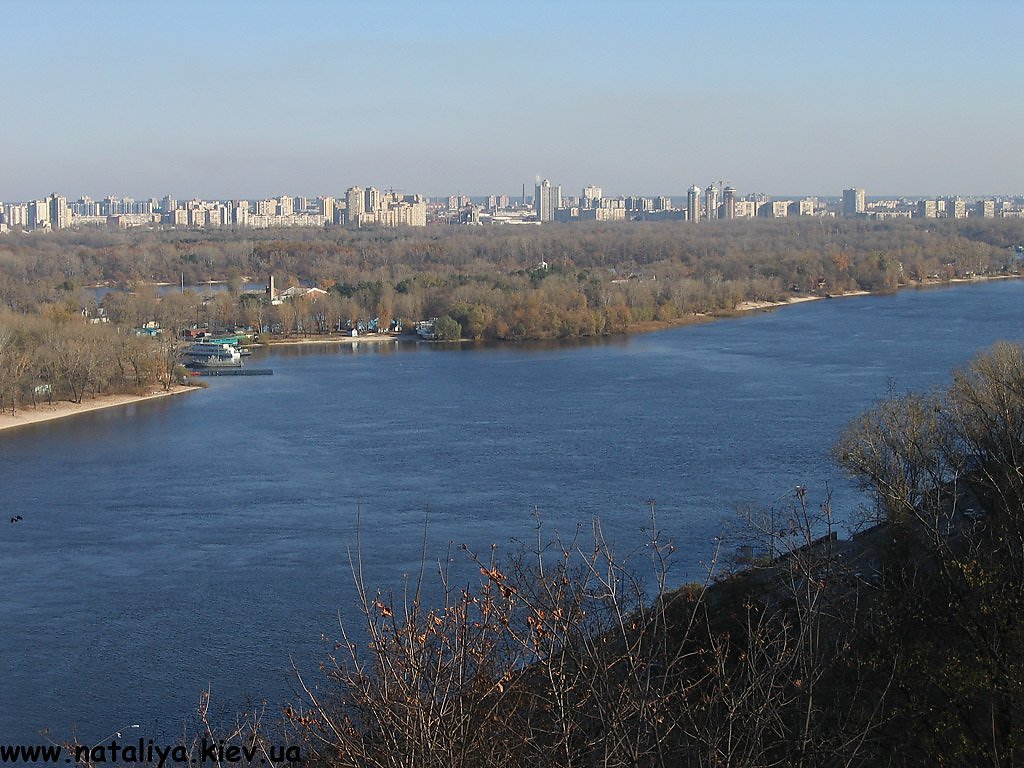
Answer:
(372, 207)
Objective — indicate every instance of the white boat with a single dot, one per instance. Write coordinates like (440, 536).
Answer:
(425, 328)
(202, 354)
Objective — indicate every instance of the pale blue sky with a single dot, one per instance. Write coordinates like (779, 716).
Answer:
(247, 99)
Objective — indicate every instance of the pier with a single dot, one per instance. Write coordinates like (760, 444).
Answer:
(234, 372)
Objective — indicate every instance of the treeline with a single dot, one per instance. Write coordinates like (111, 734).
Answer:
(56, 355)
(903, 646)
(513, 282)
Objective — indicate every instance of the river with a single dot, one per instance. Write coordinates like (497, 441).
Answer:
(201, 542)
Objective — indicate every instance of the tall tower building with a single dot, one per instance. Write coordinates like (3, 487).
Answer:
(326, 207)
(373, 200)
(711, 203)
(547, 199)
(38, 214)
(729, 203)
(854, 202)
(16, 214)
(693, 203)
(354, 205)
(240, 212)
(60, 217)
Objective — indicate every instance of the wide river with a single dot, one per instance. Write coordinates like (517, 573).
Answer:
(203, 541)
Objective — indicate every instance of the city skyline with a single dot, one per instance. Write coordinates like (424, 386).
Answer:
(527, 191)
(245, 100)
(373, 207)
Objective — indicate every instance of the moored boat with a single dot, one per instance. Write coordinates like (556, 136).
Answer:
(204, 354)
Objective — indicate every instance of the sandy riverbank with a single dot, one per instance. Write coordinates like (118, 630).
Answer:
(742, 307)
(370, 338)
(749, 306)
(60, 410)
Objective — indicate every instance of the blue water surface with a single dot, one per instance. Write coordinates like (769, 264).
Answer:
(203, 541)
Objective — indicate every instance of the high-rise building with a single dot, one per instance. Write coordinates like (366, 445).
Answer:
(591, 197)
(497, 202)
(854, 202)
(240, 213)
(16, 215)
(639, 204)
(196, 215)
(729, 203)
(214, 216)
(38, 214)
(985, 209)
(285, 205)
(711, 203)
(805, 207)
(773, 209)
(746, 209)
(354, 205)
(325, 207)
(110, 206)
(956, 208)
(693, 203)
(60, 216)
(397, 210)
(373, 200)
(547, 199)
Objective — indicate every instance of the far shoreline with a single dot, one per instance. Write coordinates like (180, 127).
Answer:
(29, 415)
(647, 326)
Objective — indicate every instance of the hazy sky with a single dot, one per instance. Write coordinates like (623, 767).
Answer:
(258, 98)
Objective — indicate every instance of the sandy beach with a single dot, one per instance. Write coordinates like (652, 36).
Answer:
(749, 306)
(374, 338)
(60, 410)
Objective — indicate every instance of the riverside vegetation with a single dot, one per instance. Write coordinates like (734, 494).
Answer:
(901, 646)
(511, 283)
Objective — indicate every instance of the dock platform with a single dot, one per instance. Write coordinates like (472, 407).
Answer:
(233, 372)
